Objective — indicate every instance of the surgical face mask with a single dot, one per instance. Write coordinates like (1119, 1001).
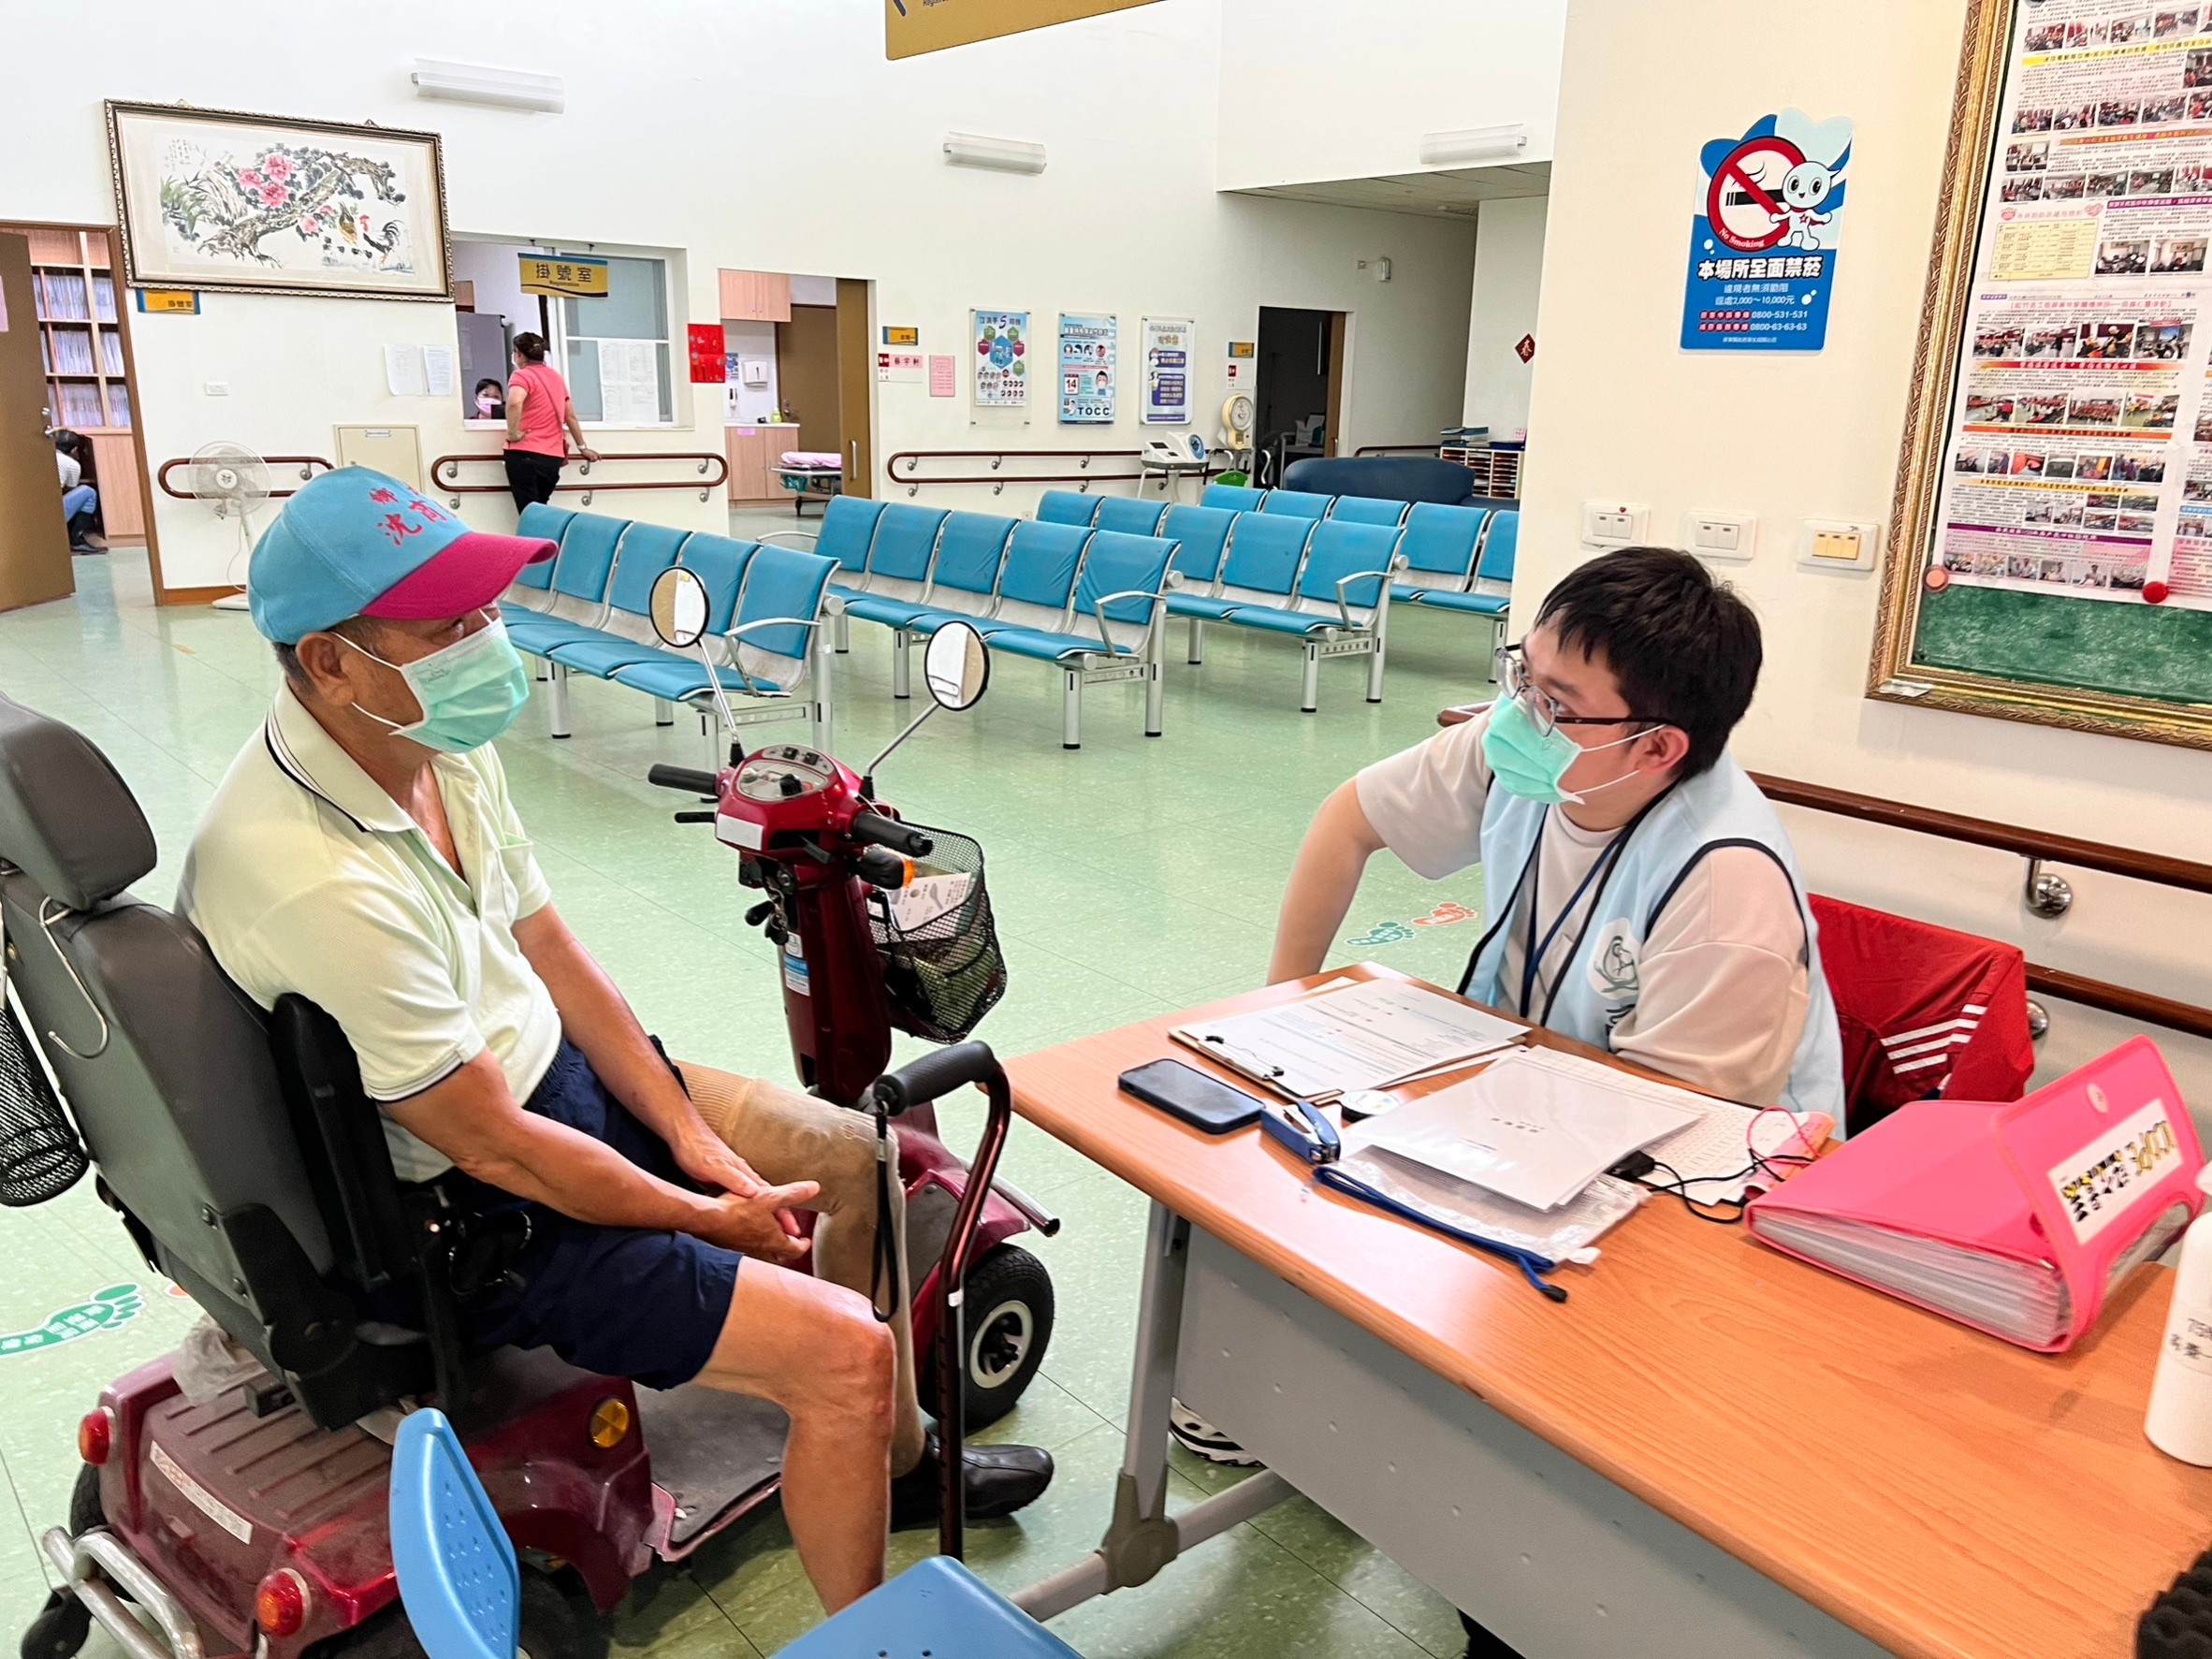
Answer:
(471, 691)
(1530, 763)
(486, 402)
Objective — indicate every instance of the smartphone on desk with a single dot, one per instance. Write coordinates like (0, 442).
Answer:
(1187, 1093)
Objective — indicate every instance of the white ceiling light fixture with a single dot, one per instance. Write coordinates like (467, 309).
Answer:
(1004, 155)
(1473, 143)
(503, 89)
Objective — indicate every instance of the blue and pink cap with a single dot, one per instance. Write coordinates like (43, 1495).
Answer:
(353, 543)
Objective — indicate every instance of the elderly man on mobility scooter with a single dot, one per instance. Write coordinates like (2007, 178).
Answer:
(363, 852)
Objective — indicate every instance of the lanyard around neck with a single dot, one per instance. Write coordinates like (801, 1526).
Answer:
(1600, 871)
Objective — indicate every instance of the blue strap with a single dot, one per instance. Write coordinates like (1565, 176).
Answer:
(1533, 1266)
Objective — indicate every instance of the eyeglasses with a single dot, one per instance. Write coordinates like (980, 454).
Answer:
(1509, 668)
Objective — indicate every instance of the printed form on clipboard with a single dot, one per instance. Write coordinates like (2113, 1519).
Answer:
(1363, 1036)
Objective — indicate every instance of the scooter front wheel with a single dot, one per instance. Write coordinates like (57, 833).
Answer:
(1008, 1322)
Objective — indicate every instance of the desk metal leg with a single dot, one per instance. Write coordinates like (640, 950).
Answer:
(1141, 1538)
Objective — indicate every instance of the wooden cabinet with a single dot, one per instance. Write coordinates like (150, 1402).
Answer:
(756, 296)
(123, 509)
(756, 451)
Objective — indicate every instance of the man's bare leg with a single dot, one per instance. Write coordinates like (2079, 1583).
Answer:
(815, 1349)
(787, 1135)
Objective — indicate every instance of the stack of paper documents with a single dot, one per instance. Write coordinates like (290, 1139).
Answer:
(1366, 1036)
(1531, 1128)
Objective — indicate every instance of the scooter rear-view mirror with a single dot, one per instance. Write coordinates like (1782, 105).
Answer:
(956, 667)
(678, 607)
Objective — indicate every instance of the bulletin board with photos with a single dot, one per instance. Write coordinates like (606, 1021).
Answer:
(2050, 554)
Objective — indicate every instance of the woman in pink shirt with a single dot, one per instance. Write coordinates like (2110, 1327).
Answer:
(538, 410)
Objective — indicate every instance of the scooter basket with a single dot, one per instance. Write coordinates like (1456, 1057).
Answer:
(942, 967)
(40, 1156)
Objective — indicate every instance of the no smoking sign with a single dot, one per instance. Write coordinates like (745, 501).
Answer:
(1762, 244)
(1743, 198)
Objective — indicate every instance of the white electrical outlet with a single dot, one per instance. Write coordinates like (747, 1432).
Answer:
(1838, 544)
(1720, 536)
(217, 388)
(1614, 524)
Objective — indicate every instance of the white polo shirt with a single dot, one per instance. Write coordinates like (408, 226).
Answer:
(305, 876)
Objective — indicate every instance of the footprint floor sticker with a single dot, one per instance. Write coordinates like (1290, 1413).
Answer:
(108, 1309)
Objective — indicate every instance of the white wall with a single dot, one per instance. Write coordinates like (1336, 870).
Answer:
(770, 136)
(1621, 413)
(1316, 88)
(1508, 275)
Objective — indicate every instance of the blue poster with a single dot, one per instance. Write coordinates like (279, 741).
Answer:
(1762, 244)
(1088, 370)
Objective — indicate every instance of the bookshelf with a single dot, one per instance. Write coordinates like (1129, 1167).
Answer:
(1497, 471)
(88, 383)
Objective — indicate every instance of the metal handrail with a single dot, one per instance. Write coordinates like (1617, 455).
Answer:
(998, 457)
(305, 463)
(443, 483)
(2048, 892)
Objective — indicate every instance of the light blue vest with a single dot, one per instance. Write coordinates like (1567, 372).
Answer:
(1599, 985)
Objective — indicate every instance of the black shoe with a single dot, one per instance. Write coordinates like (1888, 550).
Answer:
(1000, 1479)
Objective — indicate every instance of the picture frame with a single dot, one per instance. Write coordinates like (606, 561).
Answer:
(234, 202)
(2129, 665)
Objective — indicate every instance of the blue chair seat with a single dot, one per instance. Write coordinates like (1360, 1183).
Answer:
(1275, 621)
(1205, 608)
(601, 657)
(935, 1606)
(1477, 604)
(536, 634)
(672, 678)
(1050, 647)
(891, 613)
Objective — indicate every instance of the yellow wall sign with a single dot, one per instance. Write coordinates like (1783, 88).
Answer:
(185, 301)
(896, 335)
(576, 275)
(911, 27)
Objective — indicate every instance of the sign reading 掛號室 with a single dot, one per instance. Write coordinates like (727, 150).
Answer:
(1762, 243)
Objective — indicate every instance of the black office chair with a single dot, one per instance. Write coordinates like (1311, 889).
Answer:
(238, 1147)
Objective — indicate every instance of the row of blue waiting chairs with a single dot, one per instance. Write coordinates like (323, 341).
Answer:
(586, 611)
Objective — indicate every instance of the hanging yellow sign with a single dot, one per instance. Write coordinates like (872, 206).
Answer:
(911, 27)
(576, 275)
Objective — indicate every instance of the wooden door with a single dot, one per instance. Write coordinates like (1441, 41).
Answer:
(856, 385)
(33, 540)
(806, 374)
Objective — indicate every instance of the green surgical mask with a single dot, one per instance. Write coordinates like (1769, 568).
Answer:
(471, 691)
(1530, 763)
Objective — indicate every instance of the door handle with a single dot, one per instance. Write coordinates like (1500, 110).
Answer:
(853, 444)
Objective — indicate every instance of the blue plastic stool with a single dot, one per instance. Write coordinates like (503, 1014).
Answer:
(458, 1578)
(936, 1607)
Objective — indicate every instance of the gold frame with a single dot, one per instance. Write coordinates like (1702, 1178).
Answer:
(116, 108)
(1892, 675)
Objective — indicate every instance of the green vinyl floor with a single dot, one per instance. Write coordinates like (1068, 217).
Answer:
(1130, 878)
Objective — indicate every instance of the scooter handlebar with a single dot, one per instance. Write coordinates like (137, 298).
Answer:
(937, 1074)
(899, 838)
(689, 779)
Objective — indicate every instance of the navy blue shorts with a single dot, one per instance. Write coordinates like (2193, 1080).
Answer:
(616, 1300)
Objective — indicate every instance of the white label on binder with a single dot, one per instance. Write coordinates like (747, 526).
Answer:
(2097, 1183)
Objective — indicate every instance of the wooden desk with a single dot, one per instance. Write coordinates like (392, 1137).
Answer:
(1937, 1491)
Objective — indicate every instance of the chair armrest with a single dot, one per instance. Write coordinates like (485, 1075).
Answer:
(833, 604)
(1101, 601)
(1382, 595)
(735, 636)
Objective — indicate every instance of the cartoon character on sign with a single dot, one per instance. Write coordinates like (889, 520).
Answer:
(1779, 185)
(1804, 187)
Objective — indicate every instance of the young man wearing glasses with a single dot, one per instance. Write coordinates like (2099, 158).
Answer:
(1640, 892)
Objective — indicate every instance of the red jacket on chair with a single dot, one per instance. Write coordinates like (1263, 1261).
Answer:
(1926, 1011)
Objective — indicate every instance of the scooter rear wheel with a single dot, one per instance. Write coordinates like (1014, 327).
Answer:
(1009, 1321)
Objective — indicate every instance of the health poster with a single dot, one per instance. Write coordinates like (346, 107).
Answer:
(1001, 358)
(1089, 371)
(2080, 436)
(1762, 243)
(1167, 371)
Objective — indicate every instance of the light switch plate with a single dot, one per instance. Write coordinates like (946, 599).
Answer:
(1729, 536)
(1838, 544)
(1614, 524)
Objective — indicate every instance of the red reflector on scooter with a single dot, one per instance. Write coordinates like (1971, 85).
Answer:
(95, 1435)
(280, 1605)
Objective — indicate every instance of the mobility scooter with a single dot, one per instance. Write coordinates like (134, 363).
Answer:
(249, 1168)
